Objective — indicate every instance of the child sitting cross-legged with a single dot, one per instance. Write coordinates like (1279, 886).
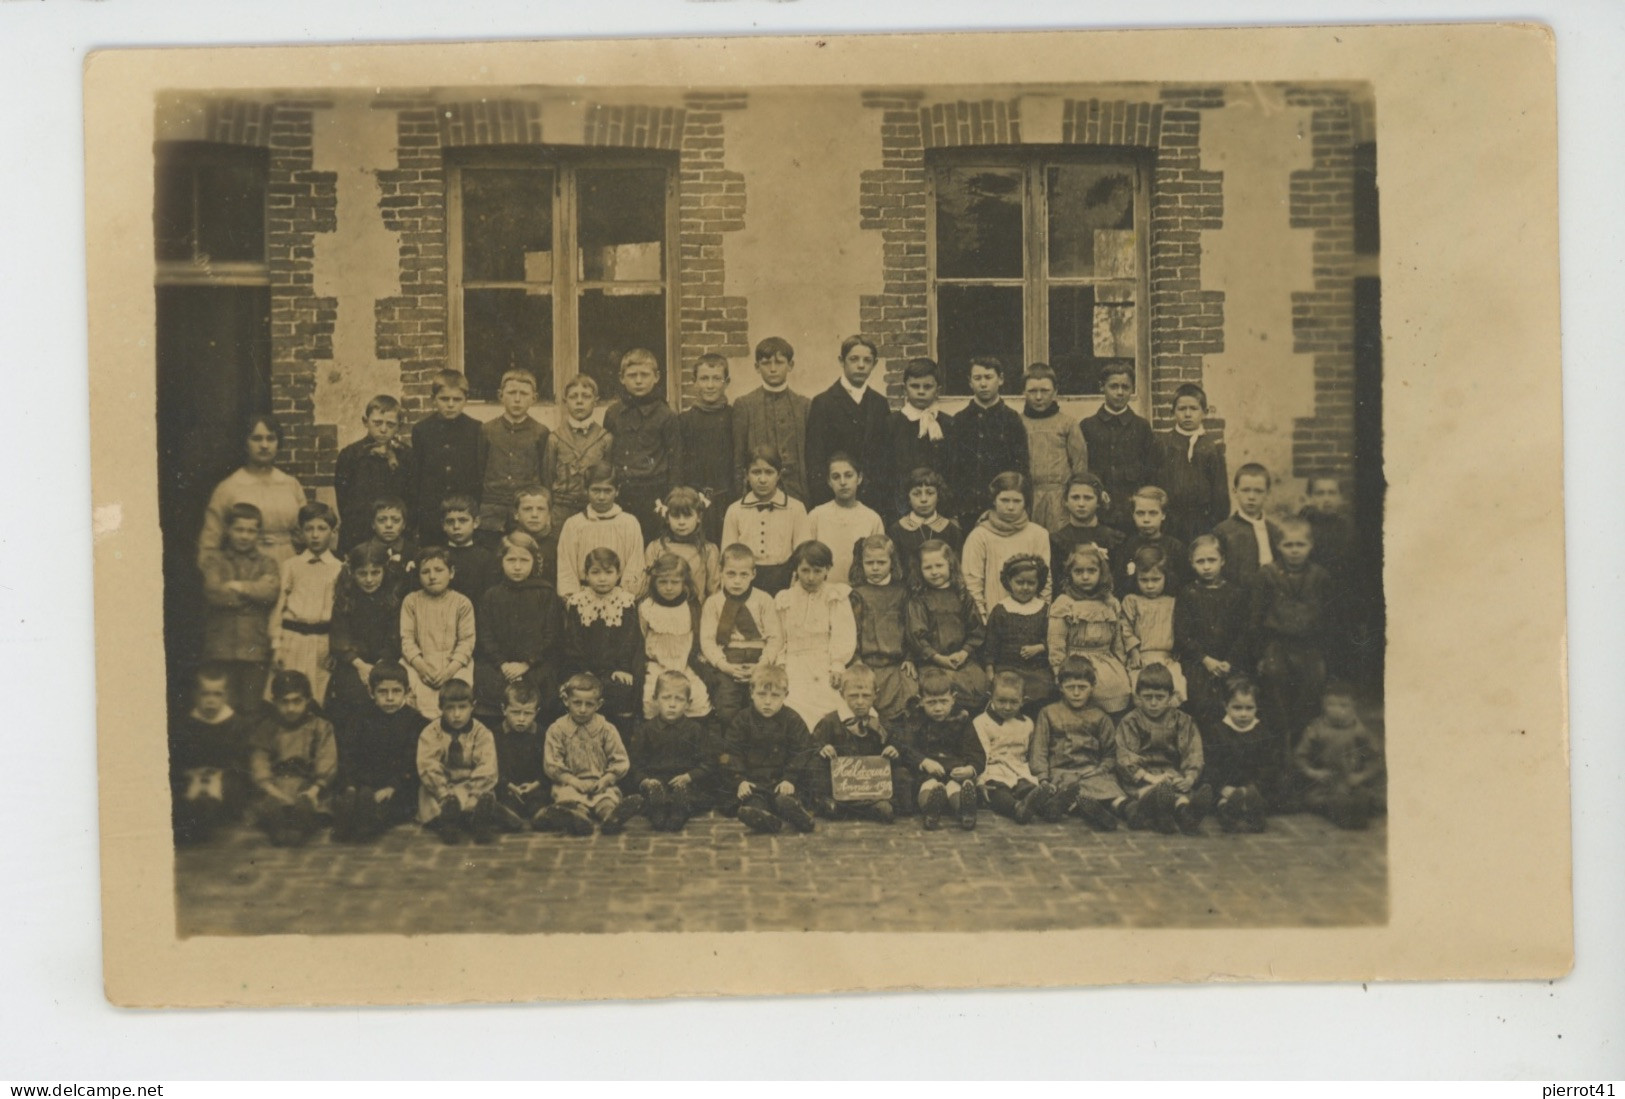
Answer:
(585, 759)
(1075, 751)
(739, 630)
(207, 759)
(1341, 762)
(766, 749)
(853, 729)
(1243, 760)
(522, 786)
(1159, 759)
(377, 786)
(939, 745)
(1008, 781)
(673, 758)
(292, 762)
(457, 770)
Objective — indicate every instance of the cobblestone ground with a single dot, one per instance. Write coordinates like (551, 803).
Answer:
(848, 876)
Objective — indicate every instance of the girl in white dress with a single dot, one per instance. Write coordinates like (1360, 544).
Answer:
(669, 617)
(820, 632)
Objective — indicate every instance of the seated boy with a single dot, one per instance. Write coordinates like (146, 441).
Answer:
(1341, 762)
(208, 753)
(1008, 781)
(378, 745)
(674, 758)
(853, 729)
(292, 761)
(765, 752)
(457, 770)
(1243, 760)
(939, 745)
(474, 569)
(1159, 759)
(739, 631)
(585, 760)
(1075, 750)
(522, 788)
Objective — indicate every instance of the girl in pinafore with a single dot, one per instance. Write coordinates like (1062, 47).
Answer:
(878, 596)
(820, 634)
(1087, 620)
(1018, 631)
(684, 510)
(944, 627)
(1149, 613)
(669, 616)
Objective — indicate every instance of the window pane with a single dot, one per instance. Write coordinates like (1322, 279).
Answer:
(231, 208)
(979, 223)
(172, 210)
(1087, 330)
(507, 225)
(504, 330)
(976, 321)
(613, 324)
(623, 224)
(1091, 221)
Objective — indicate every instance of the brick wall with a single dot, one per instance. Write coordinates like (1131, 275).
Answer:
(645, 127)
(1187, 322)
(710, 202)
(1322, 201)
(971, 122)
(491, 122)
(238, 121)
(411, 325)
(301, 203)
(1111, 122)
(892, 200)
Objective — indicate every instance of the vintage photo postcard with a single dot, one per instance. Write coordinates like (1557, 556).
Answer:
(647, 518)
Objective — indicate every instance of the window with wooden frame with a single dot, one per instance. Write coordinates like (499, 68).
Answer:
(1038, 255)
(209, 213)
(514, 304)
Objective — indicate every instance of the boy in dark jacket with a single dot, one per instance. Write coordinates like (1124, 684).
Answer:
(706, 430)
(855, 730)
(370, 469)
(674, 759)
(1191, 469)
(208, 760)
(850, 418)
(986, 438)
(941, 752)
(1242, 760)
(445, 458)
(647, 446)
(474, 568)
(377, 786)
(522, 784)
(765, 752)
(1122, 448)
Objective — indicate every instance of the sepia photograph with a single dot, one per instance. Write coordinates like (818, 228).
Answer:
(757, 528)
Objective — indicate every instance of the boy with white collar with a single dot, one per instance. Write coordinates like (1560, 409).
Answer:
(1122, 448)
(1250, 540)
(920, 432)
(854, 729)
(850, 418)
(772, 415)
(1191, 469)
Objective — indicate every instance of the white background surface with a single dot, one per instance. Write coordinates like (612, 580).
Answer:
(54, 1023)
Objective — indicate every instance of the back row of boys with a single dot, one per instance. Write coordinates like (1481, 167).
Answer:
(708, 446)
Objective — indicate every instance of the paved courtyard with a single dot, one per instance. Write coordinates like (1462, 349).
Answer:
(847, 876)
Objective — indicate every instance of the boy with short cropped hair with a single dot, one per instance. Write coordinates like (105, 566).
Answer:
(988, 439)
(302, 619)
(513, 450)
(850, 418)
(1055, 446)
(1250, 539)
(208, 759)
(707, 432)
(1149, 511)
(1191, 468)
(1084, 500)
(240, 584)
(1008, 781)
(766, 750)
(739, 632)
(457, 770)
(584, 758)
(673, 758)
(533, 515)
(854, 729)
(939, 745)
(292, 762)
(474, 566)
(377, 786)
(579, 444)
(1243, 760)
(1291, 597)
(522, 784)
(646, 447)
(374, 467)
(920, 433)
(773, 415)
(1122, 447)
(1340, 762)
(1159, 759)
(389, 535)
(1075, 750)
(445, 453)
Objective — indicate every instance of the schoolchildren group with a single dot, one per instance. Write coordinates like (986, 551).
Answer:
(505, 627)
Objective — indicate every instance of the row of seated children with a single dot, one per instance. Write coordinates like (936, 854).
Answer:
(294, 772)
